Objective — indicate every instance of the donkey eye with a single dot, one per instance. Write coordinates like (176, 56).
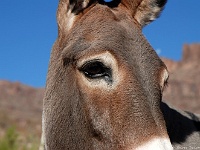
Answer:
(95, 69)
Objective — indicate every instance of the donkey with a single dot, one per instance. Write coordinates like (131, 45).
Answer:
(105, 82)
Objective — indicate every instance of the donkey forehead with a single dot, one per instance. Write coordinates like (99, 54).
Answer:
(99, 24)
(101, 29)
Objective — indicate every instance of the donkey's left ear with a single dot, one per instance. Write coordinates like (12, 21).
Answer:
(78, 5)
(68, 11)
(149, 10)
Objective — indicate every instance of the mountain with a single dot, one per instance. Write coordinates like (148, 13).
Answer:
(183, 89)
(21, 105)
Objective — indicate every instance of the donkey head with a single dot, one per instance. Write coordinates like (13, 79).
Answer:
(105, 81)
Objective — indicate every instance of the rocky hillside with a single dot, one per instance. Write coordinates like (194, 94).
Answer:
(21, 105)
(183, 90)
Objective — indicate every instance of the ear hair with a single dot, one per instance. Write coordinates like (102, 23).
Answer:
(78, 5)
(68, 10)
(149, 10)
(144, 11)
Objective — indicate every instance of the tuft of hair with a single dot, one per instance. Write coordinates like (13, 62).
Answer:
(148, 11)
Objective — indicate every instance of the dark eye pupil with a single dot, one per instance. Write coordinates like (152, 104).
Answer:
(95, 70)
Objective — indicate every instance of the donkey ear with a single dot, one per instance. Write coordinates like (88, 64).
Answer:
(77, 6)
(68, 10)
(149, 10)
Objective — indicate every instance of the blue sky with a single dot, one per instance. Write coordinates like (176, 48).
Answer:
(28, 30)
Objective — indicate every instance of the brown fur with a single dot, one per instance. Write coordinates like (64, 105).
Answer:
(76, 116)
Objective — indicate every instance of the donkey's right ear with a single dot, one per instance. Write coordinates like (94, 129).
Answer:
(148, 10)
(68, 10)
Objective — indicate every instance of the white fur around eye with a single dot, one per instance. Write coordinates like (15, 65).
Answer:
(109, 61)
